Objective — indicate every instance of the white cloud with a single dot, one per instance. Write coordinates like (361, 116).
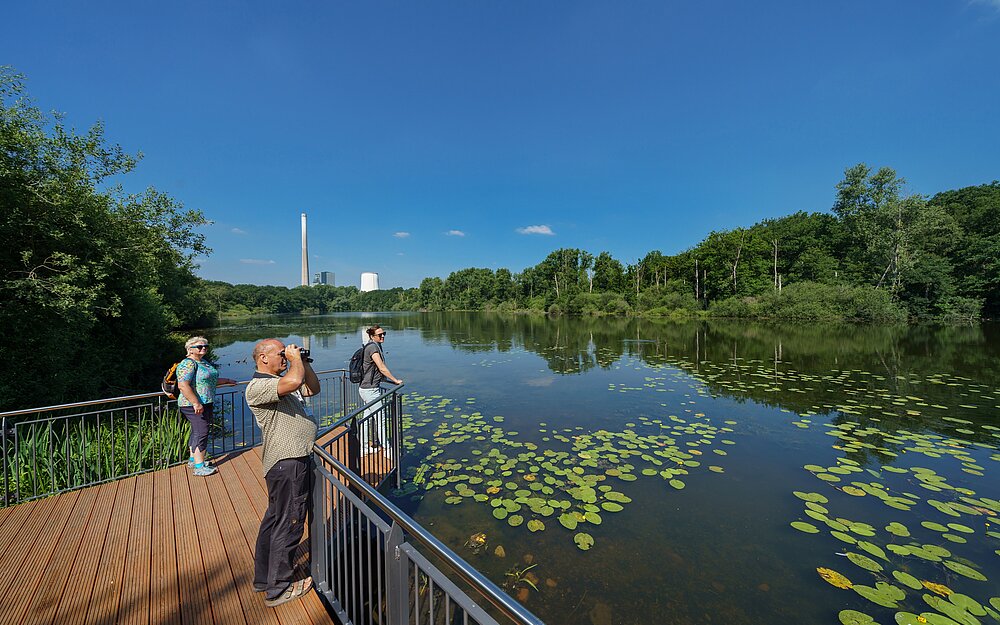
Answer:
(536, 230)
(400, 235)
(238, 231)
(256, 261)
(455, 233)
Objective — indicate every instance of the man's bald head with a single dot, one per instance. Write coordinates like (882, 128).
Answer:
(268, 348)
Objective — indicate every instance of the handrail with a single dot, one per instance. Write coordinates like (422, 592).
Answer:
(108, 400)
(501, 600)
(359, 410)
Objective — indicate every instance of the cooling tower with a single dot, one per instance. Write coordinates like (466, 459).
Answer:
(369, 281)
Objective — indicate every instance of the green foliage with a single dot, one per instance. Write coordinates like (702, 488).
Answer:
(64, 454)
(84, 264)
(811, 301)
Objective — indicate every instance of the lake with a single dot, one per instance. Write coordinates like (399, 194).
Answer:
(636, 471)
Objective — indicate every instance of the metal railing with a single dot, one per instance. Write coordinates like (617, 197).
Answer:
(365, 560)
(45, 451)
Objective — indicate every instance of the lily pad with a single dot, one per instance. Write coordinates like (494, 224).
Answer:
(864, 562)
(535, 525)
(897, 529)
(584, 541)
(834, 578)
(802, 526)
(964, 570)
(878, 596)
(907, 580)
(853, 617)
(873, 549)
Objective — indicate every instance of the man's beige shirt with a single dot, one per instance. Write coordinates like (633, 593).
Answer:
(285, 425)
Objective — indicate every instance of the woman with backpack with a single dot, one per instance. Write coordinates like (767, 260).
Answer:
(373, 436)
(196, 382)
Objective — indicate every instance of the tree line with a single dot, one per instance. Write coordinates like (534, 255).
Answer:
(95, 280)
(877, 255)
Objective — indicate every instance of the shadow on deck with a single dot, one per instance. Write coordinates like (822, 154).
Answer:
(163, 548)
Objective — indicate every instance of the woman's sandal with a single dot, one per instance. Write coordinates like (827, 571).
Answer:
(294, 591)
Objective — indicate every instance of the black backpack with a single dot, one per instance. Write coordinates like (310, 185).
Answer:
(356, 368)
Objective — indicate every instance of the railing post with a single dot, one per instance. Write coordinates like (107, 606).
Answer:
(343, 395)
(3, 445)
(318, 536)
(396, 586)
(397, 438)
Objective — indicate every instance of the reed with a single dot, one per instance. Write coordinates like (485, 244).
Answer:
(48, 457)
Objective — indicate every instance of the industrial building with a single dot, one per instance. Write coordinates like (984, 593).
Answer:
(324, 277)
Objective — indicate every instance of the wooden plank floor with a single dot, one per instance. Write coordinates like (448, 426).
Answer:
(163, 548)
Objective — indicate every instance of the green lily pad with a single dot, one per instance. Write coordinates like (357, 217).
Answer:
(908, 618)
(535, 525)
(515, 519)
(841, 536)
(568, 520)
(964, 570)
(967, 603)
(814, 497)
(876, 595)
(500, 513)
(907, 580)
(583, 541)
(864, 562)
(853, 617)
(802, 526)
(873, 549)
(897, 529)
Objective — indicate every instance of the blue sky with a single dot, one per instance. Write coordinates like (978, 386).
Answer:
(426, 137)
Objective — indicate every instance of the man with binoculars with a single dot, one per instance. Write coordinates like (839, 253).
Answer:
(288, 434)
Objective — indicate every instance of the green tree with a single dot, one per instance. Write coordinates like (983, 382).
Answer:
(609, 274)
(93, 278)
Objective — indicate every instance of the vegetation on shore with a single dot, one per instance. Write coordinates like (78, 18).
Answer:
(879, 256)
(95, 280)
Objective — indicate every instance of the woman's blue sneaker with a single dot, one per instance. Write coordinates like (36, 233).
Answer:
(204, 470)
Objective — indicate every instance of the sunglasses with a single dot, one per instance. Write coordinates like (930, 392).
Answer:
(198, 347)
(380, 334)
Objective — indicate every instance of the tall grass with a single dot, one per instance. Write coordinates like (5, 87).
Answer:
(47, 457)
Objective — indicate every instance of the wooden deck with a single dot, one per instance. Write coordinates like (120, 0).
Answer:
(163, 548)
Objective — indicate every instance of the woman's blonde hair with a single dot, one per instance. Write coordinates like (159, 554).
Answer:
(194, 340)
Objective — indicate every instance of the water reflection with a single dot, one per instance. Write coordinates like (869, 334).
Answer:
(803, 401)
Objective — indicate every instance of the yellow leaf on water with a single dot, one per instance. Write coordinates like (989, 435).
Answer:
(834, 578)
(940, 589)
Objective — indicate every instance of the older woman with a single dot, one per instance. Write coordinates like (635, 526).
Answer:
(196, 381)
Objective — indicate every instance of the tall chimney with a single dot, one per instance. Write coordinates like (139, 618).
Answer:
(305, 254)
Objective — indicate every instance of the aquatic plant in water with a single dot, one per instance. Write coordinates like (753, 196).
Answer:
(911, 569)
(575, 480)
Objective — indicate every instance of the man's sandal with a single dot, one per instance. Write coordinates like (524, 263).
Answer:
(294, 591)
